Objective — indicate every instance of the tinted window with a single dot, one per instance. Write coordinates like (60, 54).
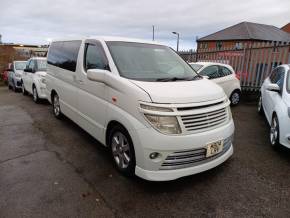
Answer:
(64, 54)
(277, 76)
(224, 71)
(211, 71)
(95, 57)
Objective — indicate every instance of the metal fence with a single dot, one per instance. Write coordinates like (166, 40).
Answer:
(252, 64)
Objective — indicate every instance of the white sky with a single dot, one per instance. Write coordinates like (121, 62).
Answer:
(35, 21)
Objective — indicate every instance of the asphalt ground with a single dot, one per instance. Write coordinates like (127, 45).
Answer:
(52, 168)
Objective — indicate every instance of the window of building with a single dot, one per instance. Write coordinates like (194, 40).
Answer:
(219, 44)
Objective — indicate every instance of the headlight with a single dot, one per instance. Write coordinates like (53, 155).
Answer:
(164, 124)
(153, 108)
(42, 79)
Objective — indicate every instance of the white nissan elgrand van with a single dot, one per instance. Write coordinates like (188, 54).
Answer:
(160, 119)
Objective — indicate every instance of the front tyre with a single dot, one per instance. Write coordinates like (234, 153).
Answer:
(235, 97)
(260, 105)
(35, 95)
(24, 92)
(274, 131)
(122, 150)
(56, 106)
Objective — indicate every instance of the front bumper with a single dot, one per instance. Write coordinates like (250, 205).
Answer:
(166, 175)
(17, 82)
(149, 140)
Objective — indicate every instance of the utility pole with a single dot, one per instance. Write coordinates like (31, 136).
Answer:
(177, 46)
(153, 33)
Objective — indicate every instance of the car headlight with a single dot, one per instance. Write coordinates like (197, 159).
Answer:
(42, 79)
(164, 124)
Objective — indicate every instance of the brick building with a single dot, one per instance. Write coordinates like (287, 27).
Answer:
(243, 35)
(286, 28)
(12, 52)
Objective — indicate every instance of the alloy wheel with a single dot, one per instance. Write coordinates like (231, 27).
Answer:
(274, 131)
(235, 99)
(56, 105)
(121, 150)
(35, 97)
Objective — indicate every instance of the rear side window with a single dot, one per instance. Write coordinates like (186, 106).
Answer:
(224, 71)
(211, 71)
(277, 76)
(95, 57)
(64, 54)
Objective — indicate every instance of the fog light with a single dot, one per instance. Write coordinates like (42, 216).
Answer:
(154, 155)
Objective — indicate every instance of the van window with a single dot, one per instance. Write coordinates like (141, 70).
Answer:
(95, 57)
(149, 62)
(64, 54)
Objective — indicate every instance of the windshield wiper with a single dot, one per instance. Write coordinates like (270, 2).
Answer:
(169, 79)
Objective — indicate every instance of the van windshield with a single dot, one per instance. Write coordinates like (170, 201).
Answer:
(149, 62)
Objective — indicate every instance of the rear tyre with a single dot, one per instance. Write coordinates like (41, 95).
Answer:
(235, 97)
(35, 95)
(56, 106)
(260, 106)
(122, 150)
(274, 131)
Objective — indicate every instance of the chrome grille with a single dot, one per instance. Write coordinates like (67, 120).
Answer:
(204, 121)
(190, 158)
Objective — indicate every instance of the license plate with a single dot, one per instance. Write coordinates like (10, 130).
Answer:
(214, 148)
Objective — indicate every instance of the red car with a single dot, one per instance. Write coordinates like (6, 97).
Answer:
(5, 73)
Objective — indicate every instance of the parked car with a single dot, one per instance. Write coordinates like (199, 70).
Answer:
(33, 78)
(222, 74)
(6, 72)
(14, 76)
(160, 119)
(274, 102)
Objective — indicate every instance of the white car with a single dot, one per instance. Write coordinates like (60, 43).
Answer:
(222, 74)
(33, 78)
(160, 119)
(274, 102)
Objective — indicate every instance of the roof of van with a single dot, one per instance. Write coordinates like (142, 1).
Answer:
(110, 39)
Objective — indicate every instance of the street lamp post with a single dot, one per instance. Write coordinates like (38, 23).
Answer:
(177, 46)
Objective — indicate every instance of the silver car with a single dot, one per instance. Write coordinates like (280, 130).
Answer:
(14, 76)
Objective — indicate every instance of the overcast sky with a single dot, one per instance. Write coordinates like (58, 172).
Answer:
(36, 21)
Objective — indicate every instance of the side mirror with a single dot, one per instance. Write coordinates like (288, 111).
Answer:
(28, 70)
(97, 75)
(273, 87)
